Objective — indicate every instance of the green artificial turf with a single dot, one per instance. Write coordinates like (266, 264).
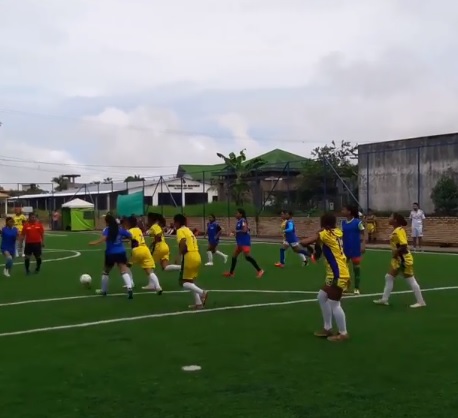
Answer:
(259, 359)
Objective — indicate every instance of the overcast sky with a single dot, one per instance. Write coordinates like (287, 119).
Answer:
(104, 87)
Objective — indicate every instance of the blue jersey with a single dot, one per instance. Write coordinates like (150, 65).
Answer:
(290, 232)
(213, 229)
(352, 237)
(116, 246)
(243, 239)
(9, 237)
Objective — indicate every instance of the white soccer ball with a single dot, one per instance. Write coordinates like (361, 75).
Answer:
(85, 279)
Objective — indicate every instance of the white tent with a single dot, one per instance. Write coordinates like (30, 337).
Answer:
(78, 215)
(78, 204)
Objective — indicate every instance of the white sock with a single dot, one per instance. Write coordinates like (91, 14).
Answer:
(197, 291)
(172, 267)
(210, 256)
(326, 310)
(389, 283)
(154, 280)
(220, 254)
(416, 289)
(104, 285)
(129, 272)
(301, 256)
(339, 316)
(197, 299)
(127, 280)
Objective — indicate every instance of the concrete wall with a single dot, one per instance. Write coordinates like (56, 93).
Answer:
(394, 174)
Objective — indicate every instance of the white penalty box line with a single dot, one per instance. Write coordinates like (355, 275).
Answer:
(204, 311)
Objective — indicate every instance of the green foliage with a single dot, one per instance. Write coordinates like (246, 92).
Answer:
(322, 169)
(445, 196)
(61, 183)
(135, 177)
(34, 189)
(238, 170)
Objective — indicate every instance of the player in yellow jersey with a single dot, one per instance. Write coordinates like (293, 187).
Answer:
(189, 249)
(19, 220)
(160, 249)
(401, 263)
(141, 255)
(371, 226)
(337, 277)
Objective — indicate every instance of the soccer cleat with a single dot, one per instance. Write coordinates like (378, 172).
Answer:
(228, 274)
(313, 258)
(381, 302)
(209, 264)
(356, 292)
(204, 298)
(130, 294)
(6, 273)
(196, 307)
(324, 333)
(305, 263)
(338, 337)
(259, 274)
(279, 265)
(418, 305)
(159, 292)
(100, 292)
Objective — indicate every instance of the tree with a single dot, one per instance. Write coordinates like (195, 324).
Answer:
(61, 182)
(445, 195)
(324, 171)
(34, 189)
(238, 170)
(107, 180)
(135, 177)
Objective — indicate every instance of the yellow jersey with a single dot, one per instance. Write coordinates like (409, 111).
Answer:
(156, 231)
(138, 240)
(399, 238)
(335, 260)
(19, 221)
(283, 226)
(191, 241)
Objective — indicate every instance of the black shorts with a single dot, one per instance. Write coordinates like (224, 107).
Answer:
(34, 249)
(114, 259)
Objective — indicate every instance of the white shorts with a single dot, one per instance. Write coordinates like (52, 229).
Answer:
(290, 244)
(417, 231)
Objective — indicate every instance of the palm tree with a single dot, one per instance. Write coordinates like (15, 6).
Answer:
(239, 170)
(62, 183)
(107, 180)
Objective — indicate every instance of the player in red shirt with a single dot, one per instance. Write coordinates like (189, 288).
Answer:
(33, 235)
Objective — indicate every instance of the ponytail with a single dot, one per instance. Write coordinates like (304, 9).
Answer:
(113, 228)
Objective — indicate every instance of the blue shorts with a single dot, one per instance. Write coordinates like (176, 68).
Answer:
(12, 251)
(213, 243)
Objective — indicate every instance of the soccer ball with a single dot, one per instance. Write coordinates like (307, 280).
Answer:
(86, 280)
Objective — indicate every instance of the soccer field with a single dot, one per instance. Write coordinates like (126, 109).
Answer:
(67, 353)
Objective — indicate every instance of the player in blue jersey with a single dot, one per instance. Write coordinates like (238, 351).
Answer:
(290, 239)
(353, 242)
(8, 247)
(213, 234)
(243, 244)
(115, 254)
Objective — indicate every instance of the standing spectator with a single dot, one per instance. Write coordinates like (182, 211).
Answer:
(417, 216)
(55, 220)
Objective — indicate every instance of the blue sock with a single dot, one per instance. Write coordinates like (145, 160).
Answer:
(282, 255)
(9, 264)
(304, 253)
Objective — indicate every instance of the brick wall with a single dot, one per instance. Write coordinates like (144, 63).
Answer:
(437, 231)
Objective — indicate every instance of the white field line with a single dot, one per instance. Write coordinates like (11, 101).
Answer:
(34, 301)
(68, 257)
(182, 313)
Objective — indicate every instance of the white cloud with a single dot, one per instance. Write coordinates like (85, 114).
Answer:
(316, 71)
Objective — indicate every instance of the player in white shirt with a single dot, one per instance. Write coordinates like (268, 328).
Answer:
(417, 216)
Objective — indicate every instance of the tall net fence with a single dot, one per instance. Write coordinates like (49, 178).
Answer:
(263, 193)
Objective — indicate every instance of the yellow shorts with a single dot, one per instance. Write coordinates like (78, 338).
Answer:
(405, 267)
(191, 266)
(161, 252)
(370, 228)
(143, 258)
(343, 282)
